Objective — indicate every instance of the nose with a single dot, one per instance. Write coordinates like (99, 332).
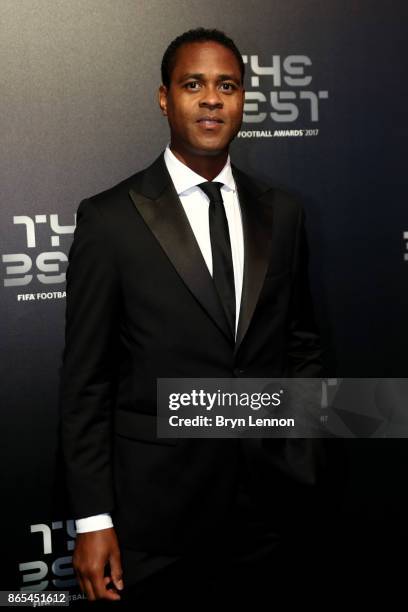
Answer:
(211, 98)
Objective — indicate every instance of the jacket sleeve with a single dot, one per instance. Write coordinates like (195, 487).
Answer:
(304, 348)
(88, 378)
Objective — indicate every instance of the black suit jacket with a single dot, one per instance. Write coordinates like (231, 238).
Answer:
(141, 305)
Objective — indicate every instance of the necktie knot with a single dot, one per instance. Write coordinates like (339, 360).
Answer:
(213, 190)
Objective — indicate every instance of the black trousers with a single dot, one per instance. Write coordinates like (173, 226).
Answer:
(255, 555)
(259, 565)
(201, 581)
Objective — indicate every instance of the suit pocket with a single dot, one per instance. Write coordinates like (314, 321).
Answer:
(140, 427)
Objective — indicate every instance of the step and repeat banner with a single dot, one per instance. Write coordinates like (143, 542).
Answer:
(324, 118)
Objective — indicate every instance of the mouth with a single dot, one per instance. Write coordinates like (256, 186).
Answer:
(209, 123)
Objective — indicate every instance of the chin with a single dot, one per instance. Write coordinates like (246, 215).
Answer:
(211, 152)
(211, 149)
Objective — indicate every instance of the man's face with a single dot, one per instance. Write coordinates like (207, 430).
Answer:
(205, 100)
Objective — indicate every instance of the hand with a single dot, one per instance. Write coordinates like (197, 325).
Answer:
(93, 550)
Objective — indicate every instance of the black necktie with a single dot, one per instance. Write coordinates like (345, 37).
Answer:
(223, 270)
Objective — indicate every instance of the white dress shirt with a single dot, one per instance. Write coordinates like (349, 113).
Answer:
(196, 203)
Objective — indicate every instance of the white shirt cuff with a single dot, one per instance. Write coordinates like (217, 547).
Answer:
(94, 523)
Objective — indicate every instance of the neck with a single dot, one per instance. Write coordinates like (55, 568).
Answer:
(207, 166)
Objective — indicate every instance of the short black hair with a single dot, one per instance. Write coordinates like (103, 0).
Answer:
(193, 36)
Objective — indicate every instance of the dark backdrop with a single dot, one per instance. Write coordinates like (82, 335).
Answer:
(326, 85)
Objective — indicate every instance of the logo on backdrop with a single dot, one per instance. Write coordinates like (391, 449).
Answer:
(282, 101)
(41, 261)
(50, 570)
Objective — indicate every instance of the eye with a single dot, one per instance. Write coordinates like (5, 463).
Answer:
(228, 86)
(191, 85)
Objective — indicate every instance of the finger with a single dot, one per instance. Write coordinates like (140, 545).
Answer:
(107, 580)
(89, 589)
(116, 571)
(100, 590)
(80, 582)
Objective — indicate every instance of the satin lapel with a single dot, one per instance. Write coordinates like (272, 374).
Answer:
(257, 230)
(168, 222)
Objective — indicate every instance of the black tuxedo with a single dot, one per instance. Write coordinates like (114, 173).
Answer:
(141, 305)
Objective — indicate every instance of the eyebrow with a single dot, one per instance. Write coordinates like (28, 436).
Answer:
(201, 75)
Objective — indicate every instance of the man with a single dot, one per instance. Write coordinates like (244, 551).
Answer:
(187, 269)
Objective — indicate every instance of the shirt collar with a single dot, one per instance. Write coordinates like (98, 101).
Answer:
(184, 178)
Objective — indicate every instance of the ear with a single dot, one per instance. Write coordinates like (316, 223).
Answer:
(162, 95)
